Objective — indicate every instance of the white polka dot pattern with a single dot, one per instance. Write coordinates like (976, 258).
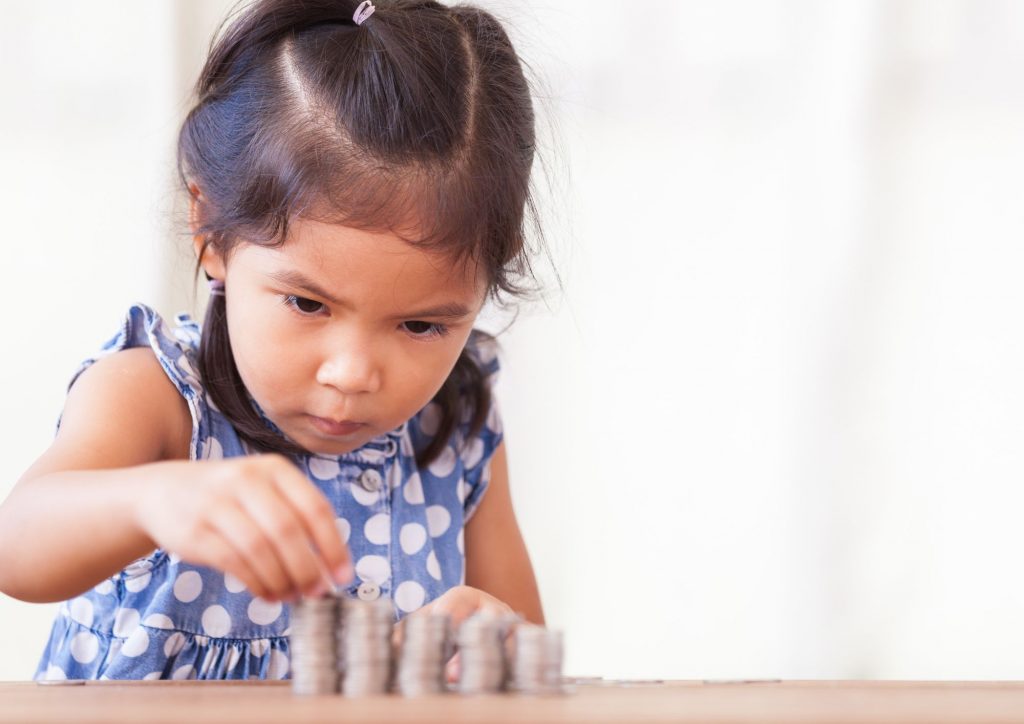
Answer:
(55, 673)
(216, 621)
(412, 537)
(174, 644)
(259, 647)
(445, 463)
(409, 596)
(84, 647)
(278, 668)
(433, 567)
(81, 610)
(125, 622)
(474, 453)
(375, 569)
(212, 449)
(413, 490)
(234, 656)
(263, 612)
(158, 620)
(378, 529)
(188, 586)
(363, 496)
(134, 585)
(137, 644)
(233, 584)
(438, 520)
(188, 671)
(344, 529)
(430, 419)
(323, 468)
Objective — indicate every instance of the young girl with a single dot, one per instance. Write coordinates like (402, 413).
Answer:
(358, 178)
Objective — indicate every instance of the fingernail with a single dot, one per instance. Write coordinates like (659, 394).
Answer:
(344, 573)
(316, 590)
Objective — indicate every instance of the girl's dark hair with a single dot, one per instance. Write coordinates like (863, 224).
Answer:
(418, 122)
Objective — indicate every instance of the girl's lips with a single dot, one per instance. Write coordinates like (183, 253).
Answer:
(335, 428)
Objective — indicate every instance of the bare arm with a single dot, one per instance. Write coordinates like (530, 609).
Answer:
(116, 484)
(496, 558)
(71, 520)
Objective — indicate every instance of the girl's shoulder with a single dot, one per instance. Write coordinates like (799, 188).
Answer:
(151, 363)
(174, 347)
(483, 350)
(465, 461)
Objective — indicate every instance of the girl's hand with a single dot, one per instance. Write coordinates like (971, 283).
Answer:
(257, 518)
(460, 603)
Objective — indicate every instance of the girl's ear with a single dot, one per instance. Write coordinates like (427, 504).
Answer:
(195, 197)
(209, 258)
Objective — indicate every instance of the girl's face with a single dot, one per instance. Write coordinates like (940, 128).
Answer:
(341, 335)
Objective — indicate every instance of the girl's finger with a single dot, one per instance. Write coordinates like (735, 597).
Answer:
(251, 545)
(317, 516)
(286, 534)
(460, 603)
(219, 552)
(453, 669)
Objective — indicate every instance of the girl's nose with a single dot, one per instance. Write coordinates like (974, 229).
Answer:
(350, 371)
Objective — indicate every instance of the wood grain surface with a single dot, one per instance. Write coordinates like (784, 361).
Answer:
(196, 702)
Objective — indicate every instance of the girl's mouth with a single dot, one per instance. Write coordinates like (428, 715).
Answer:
(336, 428)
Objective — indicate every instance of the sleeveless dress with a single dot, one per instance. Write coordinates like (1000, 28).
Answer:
(163, 618)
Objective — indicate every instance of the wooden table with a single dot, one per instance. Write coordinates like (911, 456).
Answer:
(195, 702)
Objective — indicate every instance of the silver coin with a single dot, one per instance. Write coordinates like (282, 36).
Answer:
(537, 660)
(482, 655)
(314, 659)
(426, 648)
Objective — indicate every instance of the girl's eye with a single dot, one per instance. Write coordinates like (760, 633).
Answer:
(303, 305)
(425, 329)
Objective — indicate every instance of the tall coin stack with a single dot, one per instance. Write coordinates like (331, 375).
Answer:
(481, 642)
(313, 648)
(426, 648)
(537, 667)
(364, 646)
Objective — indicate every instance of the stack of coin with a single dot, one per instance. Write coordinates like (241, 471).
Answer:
(426, 648)
(364, 646)
(481, 642)
(313, 650)
(537, 660)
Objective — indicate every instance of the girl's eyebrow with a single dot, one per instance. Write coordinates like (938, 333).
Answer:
(292, 278)
(449, 311)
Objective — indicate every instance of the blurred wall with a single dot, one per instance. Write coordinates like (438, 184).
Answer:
(771, 423)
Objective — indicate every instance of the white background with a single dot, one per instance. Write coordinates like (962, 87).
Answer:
(770, 426)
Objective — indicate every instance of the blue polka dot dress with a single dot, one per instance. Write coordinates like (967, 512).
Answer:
(163, 618)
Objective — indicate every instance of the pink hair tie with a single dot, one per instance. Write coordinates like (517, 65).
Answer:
(216, 287)
(362, 12)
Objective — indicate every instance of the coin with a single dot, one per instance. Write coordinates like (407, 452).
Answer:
(314, 658)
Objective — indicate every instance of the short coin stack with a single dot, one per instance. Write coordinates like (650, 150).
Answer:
(345, 645)
(313, 651)
(537, 660)
(426, 648)
(364, 646)
(482, 656)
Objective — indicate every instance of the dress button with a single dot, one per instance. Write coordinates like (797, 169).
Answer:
(368, 591)
(371, 480)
